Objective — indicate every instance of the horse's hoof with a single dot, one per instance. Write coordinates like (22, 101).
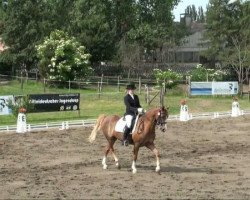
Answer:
(118, 165)
(105, 166)
(157, 169)
(134, 171)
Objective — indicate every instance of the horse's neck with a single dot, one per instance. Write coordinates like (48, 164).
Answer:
(151, 114)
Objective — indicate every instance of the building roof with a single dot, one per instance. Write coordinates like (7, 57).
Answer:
(195, 41)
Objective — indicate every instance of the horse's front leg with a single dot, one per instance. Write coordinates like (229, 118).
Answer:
(152, 147)
(135, 154)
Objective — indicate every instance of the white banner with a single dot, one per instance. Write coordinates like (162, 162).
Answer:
(4, 109)
(229, 88)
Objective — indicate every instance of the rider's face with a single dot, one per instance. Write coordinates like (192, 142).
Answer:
(131, 91)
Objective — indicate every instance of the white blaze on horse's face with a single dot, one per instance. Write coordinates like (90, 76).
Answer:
(161, 119)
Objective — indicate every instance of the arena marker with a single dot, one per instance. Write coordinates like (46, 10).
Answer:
(184, 116)
(21, 123)
(235, 109)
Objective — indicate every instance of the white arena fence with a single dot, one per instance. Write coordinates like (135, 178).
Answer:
(90, 122)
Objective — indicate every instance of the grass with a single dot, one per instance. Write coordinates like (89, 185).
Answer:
(111, 102)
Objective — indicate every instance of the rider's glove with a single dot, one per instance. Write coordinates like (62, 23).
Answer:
(140, 110)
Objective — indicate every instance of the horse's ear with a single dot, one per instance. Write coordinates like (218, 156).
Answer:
(165, 108)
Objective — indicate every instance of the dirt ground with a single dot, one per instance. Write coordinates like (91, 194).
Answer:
(200, 159)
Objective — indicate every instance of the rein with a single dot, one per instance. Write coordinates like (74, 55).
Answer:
(158, 121)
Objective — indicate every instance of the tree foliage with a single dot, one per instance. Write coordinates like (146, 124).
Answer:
(228, 30)
(26, 23)
(154, 25)
(195, 15)
(201, 73)
(63, 58)
(99, 25)
(166, 78)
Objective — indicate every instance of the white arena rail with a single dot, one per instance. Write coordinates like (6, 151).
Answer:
(50, 125)
(90, 122)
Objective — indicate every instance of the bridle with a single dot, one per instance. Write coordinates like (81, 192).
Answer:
(161, 119)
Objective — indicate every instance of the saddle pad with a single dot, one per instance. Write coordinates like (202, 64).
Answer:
(120, 125)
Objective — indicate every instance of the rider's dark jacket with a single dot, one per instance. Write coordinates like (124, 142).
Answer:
(131, 104)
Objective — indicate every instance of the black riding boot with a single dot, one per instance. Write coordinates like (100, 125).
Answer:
(125, 136)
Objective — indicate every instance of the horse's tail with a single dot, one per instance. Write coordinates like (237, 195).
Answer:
(94, 132)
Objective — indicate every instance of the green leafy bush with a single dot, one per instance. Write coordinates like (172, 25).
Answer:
(168, 77)
(62, 58)
(200, 73)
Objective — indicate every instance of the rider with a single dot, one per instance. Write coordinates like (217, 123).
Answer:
(133, 107)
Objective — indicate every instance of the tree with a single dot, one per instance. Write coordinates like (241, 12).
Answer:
(25, 24)
(21, 30)
(153, 28)
(93, 25)
(63, 58)
(201, 15)
(194, 14)
(228, 28)
(154, 25)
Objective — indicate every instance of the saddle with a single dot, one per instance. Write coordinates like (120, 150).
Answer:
(121, 123)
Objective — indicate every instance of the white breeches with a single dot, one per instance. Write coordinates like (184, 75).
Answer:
(128, 119)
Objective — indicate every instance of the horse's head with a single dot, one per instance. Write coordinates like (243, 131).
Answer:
(161, 118)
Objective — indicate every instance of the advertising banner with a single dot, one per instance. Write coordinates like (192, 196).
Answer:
(214, 88)
(224, 88)
(4, 109)
(201, 88)
(54, 102)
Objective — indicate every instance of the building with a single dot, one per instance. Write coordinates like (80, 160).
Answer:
(188, 54)
(184, 57)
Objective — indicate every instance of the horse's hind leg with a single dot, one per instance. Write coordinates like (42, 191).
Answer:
(104, 160)
(113, 153)
(152, 147)
(110, 148)
(115, 158)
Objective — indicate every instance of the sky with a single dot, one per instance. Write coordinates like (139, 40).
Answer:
(180, 8)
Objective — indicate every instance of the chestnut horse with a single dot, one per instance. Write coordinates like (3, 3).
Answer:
(144, 134)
